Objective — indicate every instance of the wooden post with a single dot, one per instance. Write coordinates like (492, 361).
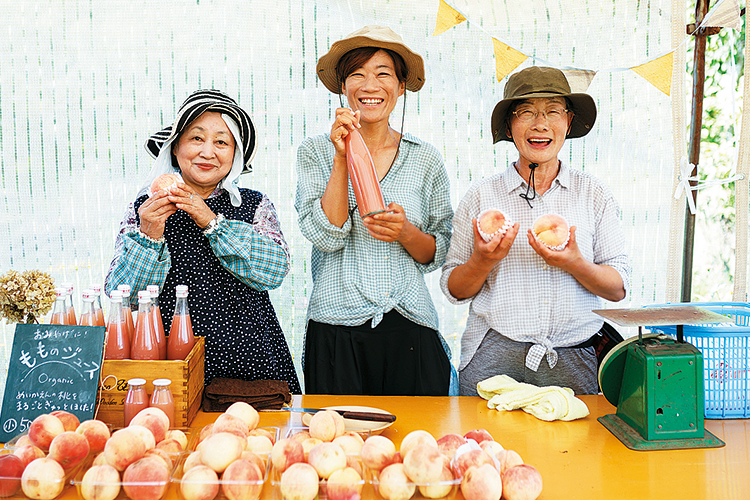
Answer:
(696, 122)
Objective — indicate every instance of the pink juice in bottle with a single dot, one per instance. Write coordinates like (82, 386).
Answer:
(118, 339)
(162, 398)
(59, 308)
(136, 399)
(363, 176)
(88, 314)
(127, 314)
(143, 345)
(159, 326)
(181, 338)
(97, 291)
(71, 313)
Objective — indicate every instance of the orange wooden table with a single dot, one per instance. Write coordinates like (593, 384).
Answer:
(579, 459)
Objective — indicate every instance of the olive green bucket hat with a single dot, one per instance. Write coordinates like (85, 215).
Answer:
(538, 81)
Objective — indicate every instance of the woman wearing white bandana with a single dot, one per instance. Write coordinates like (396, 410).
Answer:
(223, 241)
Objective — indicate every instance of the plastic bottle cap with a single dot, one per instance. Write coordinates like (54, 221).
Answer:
(181, 291)
(115, 295)
(159, 382)
(153, 289)
(144, 295)
(124, 288)
(87, 296)
(97, 289)
(68, 286)
(60, 291)
(137, 381)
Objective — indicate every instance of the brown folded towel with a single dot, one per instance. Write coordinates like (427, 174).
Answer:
(221, 393)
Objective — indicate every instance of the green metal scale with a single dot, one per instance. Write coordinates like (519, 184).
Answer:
(656, 381)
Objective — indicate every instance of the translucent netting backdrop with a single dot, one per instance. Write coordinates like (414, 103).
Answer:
(82, 85)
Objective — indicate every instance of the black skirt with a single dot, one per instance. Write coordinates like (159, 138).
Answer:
(397, 358)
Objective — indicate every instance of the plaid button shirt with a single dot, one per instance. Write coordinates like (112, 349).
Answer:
(523, 298)
(355, 276)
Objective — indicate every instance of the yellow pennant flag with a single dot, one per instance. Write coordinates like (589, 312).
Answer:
(658, 72)
(506, 59)
(447, 17)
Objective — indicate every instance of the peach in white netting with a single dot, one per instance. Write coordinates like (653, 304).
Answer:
(491, 222)
(552, 231)
(164, 181)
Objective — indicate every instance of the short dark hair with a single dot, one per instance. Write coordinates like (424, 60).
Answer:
(356, 58)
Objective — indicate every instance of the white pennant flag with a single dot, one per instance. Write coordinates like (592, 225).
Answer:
(725, 14)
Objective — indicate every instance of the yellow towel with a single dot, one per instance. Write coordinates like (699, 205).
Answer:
(545, 403)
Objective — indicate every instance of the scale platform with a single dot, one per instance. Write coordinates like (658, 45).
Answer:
(656, 381)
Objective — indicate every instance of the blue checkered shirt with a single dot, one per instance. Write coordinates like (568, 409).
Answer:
(356, 277)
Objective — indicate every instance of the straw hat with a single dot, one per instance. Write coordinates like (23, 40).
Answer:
(196, 104)
(370, 36)
(538, 81)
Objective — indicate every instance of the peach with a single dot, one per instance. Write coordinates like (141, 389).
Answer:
(258, 444)
(146, 479)
(263, 432)
(479, 435)
(221, 449)
(300, 436)
(144, 435)
(492, 448)
(415, 438)
(508, 459)
(522, 482)
(299, 482)
(164, 181)
(552, 231)
(69, 449)
(205, 432)
(482, 483)
(327, 425)
(377, 452)
(43, 479)
(153, 419)
(424, 464)
(100, 459)
(171, 446)
(23, 440)
(27, 453)
(449, 443)
(229, 423)
(70, 422)
(11, 469)
(96, 432)
(123, 448)
(344, 484)
(199, 483)
(258, 460)
(193, 460)
(43, 430)
(440, 488)
(393, 484)
(178, 436)
(246, 412)
(491, 222)
(242, 480)
(327, 458)
(351, 442)
(285, 453)
(308, 444)
(158, 452)
(101, 482)
(469, 459)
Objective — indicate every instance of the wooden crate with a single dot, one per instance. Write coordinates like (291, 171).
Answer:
(186, 377)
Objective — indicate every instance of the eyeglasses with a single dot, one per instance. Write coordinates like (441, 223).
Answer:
(554, 115)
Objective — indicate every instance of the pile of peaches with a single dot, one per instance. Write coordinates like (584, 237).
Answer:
(326, 459)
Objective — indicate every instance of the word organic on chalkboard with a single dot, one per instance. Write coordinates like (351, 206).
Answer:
(52, 367)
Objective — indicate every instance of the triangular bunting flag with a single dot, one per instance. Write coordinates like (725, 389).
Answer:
(725, 14)
(658, 72)
(447, 17)
(506, 59)
(579, 79)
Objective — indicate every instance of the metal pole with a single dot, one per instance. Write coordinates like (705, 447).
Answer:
(696, 122)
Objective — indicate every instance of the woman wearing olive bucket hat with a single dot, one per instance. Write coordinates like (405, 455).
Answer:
(529, 301)
(372, 326)
(222, 241)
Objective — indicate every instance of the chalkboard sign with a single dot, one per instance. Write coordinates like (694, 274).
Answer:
(52, 367)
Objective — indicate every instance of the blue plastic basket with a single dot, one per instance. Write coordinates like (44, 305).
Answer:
(726, 352)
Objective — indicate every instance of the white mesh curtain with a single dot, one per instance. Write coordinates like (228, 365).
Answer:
(83, 84)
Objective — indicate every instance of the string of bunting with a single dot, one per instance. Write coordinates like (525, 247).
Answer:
(657, 71)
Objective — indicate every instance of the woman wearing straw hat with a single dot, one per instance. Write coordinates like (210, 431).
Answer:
(372, 326)
(222, 241)
(530, 315)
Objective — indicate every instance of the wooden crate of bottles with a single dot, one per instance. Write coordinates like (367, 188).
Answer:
(186, 377)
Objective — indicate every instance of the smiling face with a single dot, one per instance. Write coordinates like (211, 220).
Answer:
(540, 140)
(374, 88)
(205, 152)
